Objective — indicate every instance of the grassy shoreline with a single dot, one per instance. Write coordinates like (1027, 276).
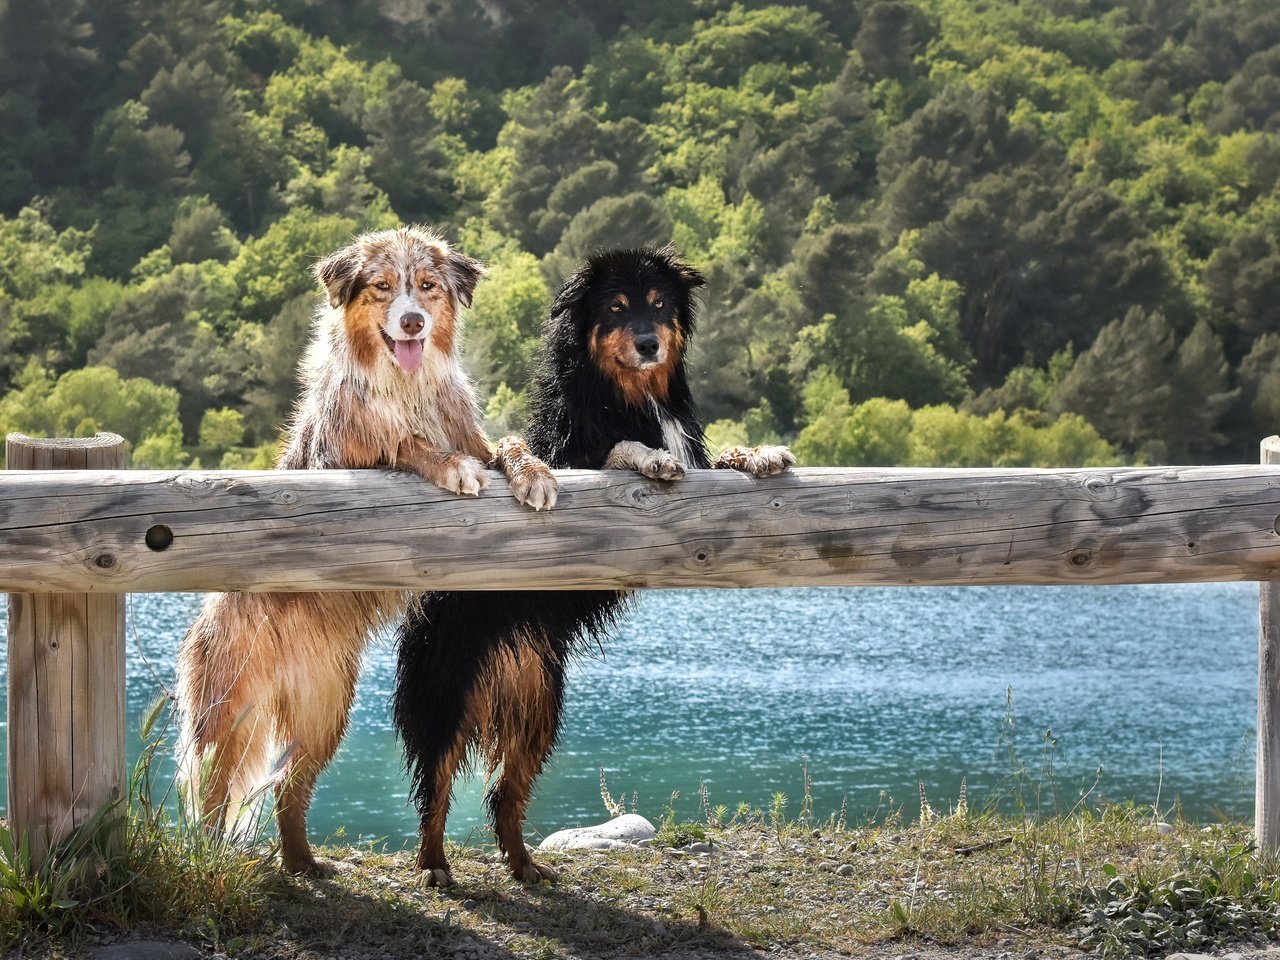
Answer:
(1113, 881)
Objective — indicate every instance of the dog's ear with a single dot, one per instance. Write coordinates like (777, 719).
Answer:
(338, 273)
(689, 276)
(464, 274)
(571, 296)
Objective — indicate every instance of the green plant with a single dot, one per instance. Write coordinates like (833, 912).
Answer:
(1212, 898)
(673, 832)
(145, 861)
(51, 896)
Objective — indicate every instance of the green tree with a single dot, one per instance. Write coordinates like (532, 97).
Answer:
(1260, 388)
(221, 428)
(83, 402)
(1124, 384)
(201, 232)
(632, 220)
(503, 322)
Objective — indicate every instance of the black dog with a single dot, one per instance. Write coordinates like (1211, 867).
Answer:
(484, 671)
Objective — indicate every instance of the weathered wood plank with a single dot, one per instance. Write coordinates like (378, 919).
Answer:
(1267, 780)
(66, 679)
(325, 530)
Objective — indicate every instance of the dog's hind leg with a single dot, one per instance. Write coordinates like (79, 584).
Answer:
(440, 703)
(311, 722)
(433, 800)
(224, 771)
(225, 727)
(527, 703)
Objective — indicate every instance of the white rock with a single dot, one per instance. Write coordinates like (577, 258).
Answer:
(1164, 829)
(620, 833)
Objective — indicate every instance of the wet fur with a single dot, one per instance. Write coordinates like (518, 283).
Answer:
(483, 673)
(261, 670)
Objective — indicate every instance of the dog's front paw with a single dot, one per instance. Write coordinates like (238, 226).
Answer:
(536, 486)
(464, 475)
(661, 465)
(767, 461)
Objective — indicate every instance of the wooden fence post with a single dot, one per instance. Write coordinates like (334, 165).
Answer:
(66, 680)
(1267, 781)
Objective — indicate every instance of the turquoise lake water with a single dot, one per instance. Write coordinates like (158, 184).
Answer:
(875, 689)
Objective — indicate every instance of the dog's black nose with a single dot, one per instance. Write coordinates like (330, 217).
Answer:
(412, 323)
(647, 345)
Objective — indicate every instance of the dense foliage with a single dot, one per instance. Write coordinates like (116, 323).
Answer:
(936, 231)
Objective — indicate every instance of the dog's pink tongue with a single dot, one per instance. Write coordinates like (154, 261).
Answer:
(409, 354)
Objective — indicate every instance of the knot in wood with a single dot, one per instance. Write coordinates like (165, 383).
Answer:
(1081, 558)
(1099, 488)
(104, 561)
(642, 496)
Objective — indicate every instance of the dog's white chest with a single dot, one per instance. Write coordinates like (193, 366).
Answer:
(674, 440)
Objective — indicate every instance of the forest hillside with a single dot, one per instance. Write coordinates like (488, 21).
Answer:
(947, 232)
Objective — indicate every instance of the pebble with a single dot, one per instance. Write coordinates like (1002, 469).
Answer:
(1164, 829)
(844, 870)
(469, 904)
(699, 847)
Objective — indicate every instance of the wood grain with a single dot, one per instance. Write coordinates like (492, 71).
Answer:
(66, 679)
(367, 530)
(1267, 782)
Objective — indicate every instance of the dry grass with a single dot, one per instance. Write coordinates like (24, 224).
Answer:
(952, 885)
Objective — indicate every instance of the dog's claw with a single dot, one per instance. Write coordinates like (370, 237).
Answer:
(467, 477)
(534, 873)
(760, 462)
(536, 488)
(662, 466)
(771, 461)
(316, 869)
(438, 877)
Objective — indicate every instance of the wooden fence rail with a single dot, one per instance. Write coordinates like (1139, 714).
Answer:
(113, 532)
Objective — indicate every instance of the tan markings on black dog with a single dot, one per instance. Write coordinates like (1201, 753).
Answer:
(638, 379)
(522, 731)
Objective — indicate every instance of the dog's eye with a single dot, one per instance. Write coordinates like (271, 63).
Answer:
(428, 285)
(657, 304)
(381, 285)
(615, 308)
